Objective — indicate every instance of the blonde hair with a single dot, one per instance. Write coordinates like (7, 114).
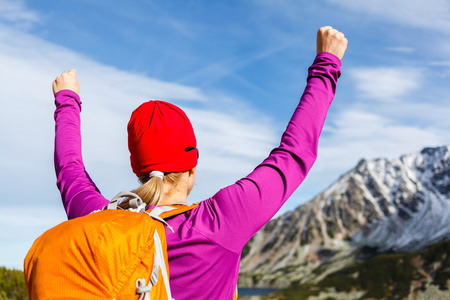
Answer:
(152, 189)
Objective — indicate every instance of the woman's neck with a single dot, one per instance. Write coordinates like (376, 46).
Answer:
(174, 197)
(178, 192)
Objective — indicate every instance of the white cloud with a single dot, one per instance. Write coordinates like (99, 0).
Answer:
(445, 63)
(386, 83)
(232, 138)
(16, 13)
(20, 225)
(231, 145)
(363, 132)
(391, 115)
(431, 14)
(218, 70)
(400, 49)
(366, 133)
(25, 216)
(393, 111)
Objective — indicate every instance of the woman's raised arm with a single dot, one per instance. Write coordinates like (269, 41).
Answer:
(240, 210)
(79, 194)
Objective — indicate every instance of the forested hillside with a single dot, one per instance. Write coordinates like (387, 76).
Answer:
(12, 285)
(419, 275)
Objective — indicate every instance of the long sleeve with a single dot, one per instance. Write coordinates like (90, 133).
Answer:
(79, 194)
(204, 251)
(237, 212)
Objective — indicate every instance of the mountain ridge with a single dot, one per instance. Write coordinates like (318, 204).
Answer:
(386, 205)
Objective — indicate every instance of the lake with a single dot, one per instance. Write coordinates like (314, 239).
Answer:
(253, 292)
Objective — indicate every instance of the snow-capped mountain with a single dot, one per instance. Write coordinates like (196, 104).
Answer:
(386, 204)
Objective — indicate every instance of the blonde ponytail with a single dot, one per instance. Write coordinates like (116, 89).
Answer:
(152, 189)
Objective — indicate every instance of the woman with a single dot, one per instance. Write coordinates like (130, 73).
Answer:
(204, 251)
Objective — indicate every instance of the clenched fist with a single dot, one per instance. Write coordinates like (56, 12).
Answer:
(67, 81)
(332, 41)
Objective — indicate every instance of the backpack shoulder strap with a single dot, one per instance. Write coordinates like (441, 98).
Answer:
(178, 208)
(135, 202)
(161, 213)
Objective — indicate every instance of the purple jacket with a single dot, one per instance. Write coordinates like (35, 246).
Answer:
(204, 252)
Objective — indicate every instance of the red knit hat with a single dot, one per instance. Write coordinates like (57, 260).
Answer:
(160, 138)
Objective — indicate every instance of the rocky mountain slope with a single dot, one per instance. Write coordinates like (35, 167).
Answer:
(382, 205)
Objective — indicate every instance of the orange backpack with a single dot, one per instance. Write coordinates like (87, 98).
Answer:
(109, 254)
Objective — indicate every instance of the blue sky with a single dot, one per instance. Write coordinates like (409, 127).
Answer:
(238, 68)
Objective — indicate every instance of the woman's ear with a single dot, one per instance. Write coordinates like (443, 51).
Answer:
(191, 179)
